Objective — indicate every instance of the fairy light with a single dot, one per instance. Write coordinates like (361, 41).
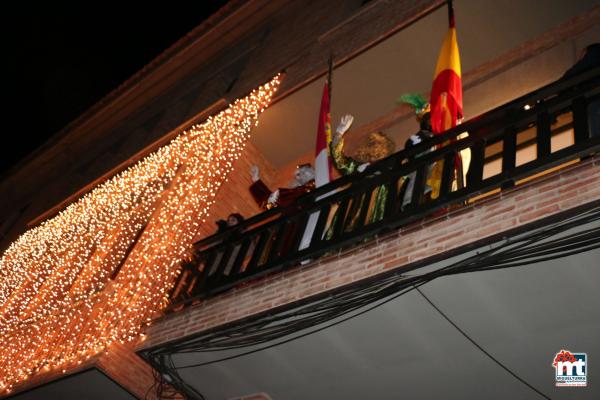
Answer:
(58, 304)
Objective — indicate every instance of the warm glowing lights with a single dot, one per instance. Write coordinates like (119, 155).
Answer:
(58, 305)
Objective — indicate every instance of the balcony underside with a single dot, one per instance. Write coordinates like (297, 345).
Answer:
(521, 316)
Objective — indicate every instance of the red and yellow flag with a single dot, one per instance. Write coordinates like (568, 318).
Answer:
(446, 105)
(446, 91)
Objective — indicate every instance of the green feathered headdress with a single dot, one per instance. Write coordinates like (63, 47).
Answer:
(417, 101)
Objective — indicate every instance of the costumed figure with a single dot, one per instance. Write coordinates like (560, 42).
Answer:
(434, 173)
(422, 109)
(376, 146)
(304, 182)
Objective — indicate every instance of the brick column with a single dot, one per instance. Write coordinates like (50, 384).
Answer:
(129, 370)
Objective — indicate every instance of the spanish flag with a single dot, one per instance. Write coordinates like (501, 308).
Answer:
(446, 91)
(446, 106)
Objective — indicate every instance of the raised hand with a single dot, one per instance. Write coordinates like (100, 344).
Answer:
(255, 173)
(274, 197)
(344, 124)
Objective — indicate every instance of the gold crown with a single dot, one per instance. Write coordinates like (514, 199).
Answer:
(421, 112)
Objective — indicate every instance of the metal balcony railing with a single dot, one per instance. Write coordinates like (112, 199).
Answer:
(510, 143)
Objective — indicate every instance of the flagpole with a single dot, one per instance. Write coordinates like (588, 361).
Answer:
(329, 85)
(450, 14)
(322, 158)
(458, 160)
(329, 74)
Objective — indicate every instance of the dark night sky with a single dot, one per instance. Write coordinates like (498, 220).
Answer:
(57, 66)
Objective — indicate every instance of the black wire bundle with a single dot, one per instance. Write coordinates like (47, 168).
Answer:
(546, 243)
(168, 384)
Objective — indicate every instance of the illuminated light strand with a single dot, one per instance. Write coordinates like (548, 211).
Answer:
(58, 305)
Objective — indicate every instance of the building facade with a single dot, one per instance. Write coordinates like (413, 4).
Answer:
(533, 169)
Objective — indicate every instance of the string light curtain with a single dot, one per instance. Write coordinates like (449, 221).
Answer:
(98, 271)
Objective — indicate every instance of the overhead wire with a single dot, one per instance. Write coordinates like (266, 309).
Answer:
(478, 346)
(248, 337)
(539, 245)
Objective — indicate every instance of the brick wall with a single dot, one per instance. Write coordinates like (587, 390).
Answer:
(129, 370)
(234, 195)
(553, 193)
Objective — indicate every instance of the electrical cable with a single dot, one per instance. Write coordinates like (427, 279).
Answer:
(494, 359)
(220, 348)
(295, 337)
(534, 246)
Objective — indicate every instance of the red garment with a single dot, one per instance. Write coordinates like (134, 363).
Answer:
(261, 193)
(287, 196)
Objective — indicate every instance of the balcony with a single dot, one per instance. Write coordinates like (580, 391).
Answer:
(290, 272)
(514, 143)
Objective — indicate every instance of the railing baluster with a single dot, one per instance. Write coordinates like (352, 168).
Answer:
(475, 173)
(300, 228)
(319, 232)
(580, 120)
(211, 259)
(341, 217)
(202, 278)
(509, 154)
(447, 174)
(218, 275)
(392, 203)
(195, 287)
(264, 237)
(198, 274)
(364, 208)
(181, 285)
(280, 236)
(239, 259)
(355, 205)
(509, 150)
(543, 135)
(419, 187)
